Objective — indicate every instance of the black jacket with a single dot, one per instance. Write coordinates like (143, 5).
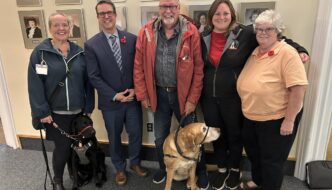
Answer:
(221, 81)
(77, 93)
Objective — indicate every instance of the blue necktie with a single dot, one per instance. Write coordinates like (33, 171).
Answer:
(116, 51)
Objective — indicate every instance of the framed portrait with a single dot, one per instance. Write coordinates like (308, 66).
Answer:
(68, 2)
(121, 18)
(148, 13)
(250, 11)
(77, 27)
(33, 27)
(28, 3)
(199, 14)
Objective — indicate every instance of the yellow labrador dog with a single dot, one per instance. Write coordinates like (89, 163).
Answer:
(182, 152)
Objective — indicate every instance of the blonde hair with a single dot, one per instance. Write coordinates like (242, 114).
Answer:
(55, 14)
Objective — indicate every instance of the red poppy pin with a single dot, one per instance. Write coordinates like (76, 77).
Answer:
(123, 40)
(270, 53)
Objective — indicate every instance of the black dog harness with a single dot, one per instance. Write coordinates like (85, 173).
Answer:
(81, 150)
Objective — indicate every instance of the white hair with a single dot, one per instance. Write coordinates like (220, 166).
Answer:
(271, 17)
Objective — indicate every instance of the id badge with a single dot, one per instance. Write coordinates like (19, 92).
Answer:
(41, 69)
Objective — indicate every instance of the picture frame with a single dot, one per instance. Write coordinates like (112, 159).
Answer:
(28, 3)
(32, 27)
(77, 26)
(250, 11)
(199, 14)
(148, 13)
(68, 2)
(121, 18)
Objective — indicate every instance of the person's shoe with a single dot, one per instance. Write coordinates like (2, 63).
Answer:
(219, 181)
(159, 176)
(120, 178)
(139, 170)
(203, 181)
(233, 180)
(58, 186)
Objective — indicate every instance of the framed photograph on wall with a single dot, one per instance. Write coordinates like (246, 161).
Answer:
(77, 27)
(148, 13)
(199, 14)
(250, 11)
(33, 27)
(121, 18)
(68, 2)
(28, 3)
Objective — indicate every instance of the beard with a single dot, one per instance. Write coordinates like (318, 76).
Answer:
(169, 21)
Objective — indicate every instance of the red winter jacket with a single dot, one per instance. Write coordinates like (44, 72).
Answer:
(189, 65)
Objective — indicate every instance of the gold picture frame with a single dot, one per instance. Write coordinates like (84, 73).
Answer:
(198, 11)
(250, 11)
(32, 27)
(148, 13)
(28, 3)
(68, 2)
(77, 27)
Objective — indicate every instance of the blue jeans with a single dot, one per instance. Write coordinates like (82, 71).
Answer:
(167, 104)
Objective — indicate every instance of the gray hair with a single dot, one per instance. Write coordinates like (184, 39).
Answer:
(271, 17)
(55, 14)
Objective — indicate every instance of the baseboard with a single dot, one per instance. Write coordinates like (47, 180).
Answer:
(147, 153)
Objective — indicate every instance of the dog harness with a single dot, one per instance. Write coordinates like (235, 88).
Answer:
(81, 150)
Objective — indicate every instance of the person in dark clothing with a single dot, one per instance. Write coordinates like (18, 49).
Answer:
(226, 46)
(33, 31)
(48, 65)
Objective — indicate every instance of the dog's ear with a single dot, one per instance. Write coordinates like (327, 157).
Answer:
(189, 140)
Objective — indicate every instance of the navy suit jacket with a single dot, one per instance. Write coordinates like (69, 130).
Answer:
(103, 70)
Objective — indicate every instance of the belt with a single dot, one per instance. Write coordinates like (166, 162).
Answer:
(169, 89)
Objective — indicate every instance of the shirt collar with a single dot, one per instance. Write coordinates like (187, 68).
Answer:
(108, 35)
(176, 29)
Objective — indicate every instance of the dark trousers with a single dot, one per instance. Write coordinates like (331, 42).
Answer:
(267, 150)
(167, 104)
(226, 114)
(130, 117)
(62, 150)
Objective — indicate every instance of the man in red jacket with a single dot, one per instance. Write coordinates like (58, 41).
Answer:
(168, 74)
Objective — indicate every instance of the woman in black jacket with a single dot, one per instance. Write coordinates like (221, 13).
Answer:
(226, 45)
(51, 102)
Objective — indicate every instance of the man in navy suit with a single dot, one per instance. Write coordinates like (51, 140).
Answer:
(110, 59)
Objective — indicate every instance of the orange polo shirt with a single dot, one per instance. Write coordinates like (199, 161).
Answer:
(263, 82)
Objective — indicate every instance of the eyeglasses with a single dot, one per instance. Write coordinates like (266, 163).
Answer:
(266, 30)
(170, 7)
(108, 13)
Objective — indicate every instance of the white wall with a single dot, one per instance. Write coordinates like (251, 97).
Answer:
(299, 20)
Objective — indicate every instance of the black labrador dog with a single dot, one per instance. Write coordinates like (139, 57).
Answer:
(87, 158)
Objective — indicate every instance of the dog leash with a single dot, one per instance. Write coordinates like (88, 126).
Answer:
(48, 172)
